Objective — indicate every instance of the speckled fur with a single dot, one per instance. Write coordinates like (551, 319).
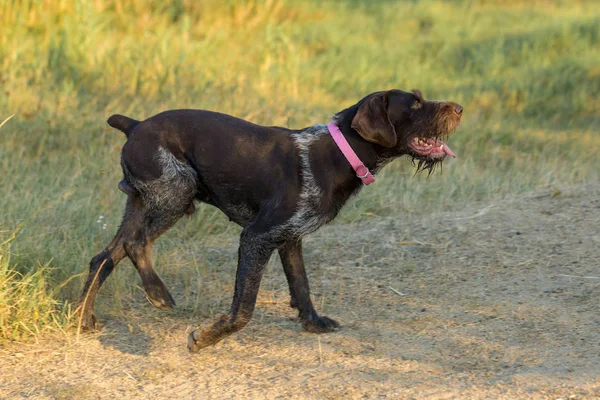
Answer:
(177, 182)
(308, 216)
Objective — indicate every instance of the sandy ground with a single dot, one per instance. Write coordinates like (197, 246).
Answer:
(495, 300)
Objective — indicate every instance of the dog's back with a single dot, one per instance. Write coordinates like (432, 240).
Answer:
(230, 163)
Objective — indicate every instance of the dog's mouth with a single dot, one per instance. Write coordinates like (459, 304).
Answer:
(431, 149)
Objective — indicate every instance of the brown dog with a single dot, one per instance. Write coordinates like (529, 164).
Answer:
(278, 184)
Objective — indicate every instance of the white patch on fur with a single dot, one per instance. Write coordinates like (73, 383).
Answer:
(173, 168)
(176, 186)
(308, 216)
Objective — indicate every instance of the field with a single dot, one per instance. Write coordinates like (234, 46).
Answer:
(489, 312)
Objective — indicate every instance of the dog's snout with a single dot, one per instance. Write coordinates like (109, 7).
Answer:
(458, 109)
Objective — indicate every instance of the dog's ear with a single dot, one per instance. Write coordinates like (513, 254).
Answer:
(372, 123)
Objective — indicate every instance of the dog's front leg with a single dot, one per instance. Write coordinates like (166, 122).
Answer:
(254, 253)
(293, 266)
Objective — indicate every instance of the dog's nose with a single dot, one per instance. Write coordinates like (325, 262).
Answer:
(458, 109)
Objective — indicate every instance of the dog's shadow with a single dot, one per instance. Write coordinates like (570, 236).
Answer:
(124, 337)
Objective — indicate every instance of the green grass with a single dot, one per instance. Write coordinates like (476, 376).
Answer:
(527, 73)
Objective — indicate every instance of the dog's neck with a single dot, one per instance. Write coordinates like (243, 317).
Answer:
(330, 168)
(372, 155)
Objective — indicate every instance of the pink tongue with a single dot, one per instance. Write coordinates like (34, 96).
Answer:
(448, 151)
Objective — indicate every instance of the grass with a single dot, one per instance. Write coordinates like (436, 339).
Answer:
(526, 72)
(28, 301)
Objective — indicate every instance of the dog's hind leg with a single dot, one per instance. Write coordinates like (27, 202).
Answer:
(293, 266)
(100, 268)
(103, 264)
(139, 230)
(138, 247)
(153, 206)
(163, 200)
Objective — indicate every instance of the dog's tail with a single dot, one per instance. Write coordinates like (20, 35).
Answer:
(123, 123)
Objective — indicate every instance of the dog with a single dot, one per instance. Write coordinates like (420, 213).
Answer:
(278, 184)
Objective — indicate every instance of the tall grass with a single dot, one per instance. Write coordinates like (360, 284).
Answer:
(526, 72)
(28, 300)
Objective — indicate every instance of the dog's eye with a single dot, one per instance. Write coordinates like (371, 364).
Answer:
(416, 105)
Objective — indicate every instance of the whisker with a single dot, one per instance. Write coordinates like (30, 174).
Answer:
(425, 165)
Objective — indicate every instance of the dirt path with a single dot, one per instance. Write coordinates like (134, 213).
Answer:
(495, 301)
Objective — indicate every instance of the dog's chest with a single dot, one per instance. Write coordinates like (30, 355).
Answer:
(311, 212)
(306, 220)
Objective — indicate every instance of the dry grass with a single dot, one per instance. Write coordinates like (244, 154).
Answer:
(488, 314)
(28, 300)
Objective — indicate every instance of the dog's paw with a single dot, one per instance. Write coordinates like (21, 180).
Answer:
(196, 341)
(89, 323)
(319, 324)
(160, 297)
(208, 334)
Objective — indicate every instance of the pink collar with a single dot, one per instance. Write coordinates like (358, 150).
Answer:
(361, 171)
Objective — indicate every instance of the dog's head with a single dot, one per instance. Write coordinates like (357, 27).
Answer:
(408, 124)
